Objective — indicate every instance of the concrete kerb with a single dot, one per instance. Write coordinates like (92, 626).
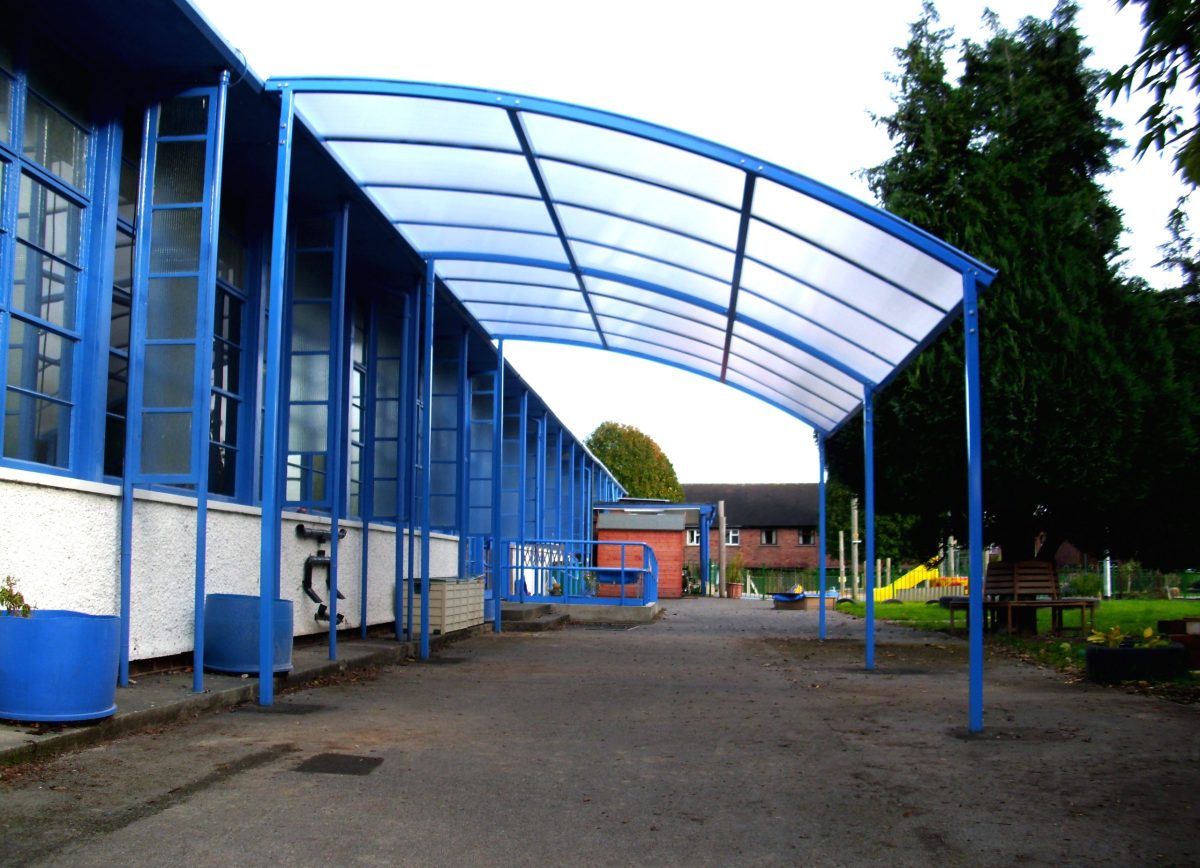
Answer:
(162, 698)
(632, 615)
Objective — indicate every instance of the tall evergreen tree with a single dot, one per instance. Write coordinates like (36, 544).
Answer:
(1005, 163)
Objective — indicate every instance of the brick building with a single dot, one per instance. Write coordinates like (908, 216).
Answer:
(663, 532)
(773, 526)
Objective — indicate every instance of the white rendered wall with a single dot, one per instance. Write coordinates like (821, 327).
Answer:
(61, 541)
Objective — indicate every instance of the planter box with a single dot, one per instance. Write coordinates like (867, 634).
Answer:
(1110, 665)
(453, 606)
(231, 634)
(58, 665)
(802, 602)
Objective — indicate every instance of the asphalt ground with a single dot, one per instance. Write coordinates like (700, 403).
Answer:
(724, 734)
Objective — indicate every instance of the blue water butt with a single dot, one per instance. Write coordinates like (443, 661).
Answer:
(231, 633)
(58, 665)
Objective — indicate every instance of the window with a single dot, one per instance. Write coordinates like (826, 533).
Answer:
(358, 391)
(47, 176)
(768, 537)
(693, 536)
(229, 323)
(733, 536)
(808, 536)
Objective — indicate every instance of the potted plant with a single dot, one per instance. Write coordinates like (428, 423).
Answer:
(1114, 655)
(735, 578)
(55, 665)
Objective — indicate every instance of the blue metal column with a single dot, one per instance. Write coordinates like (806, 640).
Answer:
(974, 500)
(268, 577)
(705, 554)
(497, 486)
(869, 486)
(403, 472)
(463, 482)
(366, 476)
(539, 492)
(426, 451)
(821, 532)
(573, 527)
(558, 489)
(339, 441)
(522, 489)
(412, 353)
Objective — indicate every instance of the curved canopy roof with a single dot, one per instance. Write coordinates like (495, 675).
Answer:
(554, 222)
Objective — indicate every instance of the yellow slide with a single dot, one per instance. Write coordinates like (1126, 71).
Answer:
(914, 577)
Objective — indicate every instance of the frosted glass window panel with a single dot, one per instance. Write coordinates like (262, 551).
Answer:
(169, 375)
(166, 443)
(5, 107)
(636, 156)
(510, 293)
(184, 116)
(433, 166)
(834, 314)
(815, 405)
(42, 434)
(486, 241)
(176, 240)
(572, 185)
(307, 424)
(771, 352)
(543, 332)
(55, 142)
(841, 279)
(44, 287)
(590, 256)
(406, 118)
(751, 307)
(534, 315)
(48, 221)
(390, 343)
(705, 366)
(313, 275)
(604, 292)
(310, 378)
(467, 269)
(585, 225)
(709, 349)
(406, 205)
(384, 501)
(860, 241)
(385, 458)
(179, 172)
(387, 378)
(39, 360)
(171, 308)
(310, 328)
(387, 418)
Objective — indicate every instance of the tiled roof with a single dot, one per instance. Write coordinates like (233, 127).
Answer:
(791, 504)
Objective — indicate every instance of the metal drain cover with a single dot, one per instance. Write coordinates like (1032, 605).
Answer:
(340, 764)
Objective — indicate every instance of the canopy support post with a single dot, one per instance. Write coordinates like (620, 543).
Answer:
(975, 500)
(869, 496)
(497, 485)
(426, 449)
(821, 533)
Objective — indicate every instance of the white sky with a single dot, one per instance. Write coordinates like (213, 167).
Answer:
(791, 82)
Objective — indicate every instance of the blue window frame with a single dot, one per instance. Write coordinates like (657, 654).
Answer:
(227, 410)
(443, 496)
(45, 210)
(386, 442)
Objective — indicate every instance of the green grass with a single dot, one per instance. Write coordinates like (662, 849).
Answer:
(1132, 616)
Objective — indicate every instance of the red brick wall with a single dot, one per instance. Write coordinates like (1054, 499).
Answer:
(788, 554)
(668, 549)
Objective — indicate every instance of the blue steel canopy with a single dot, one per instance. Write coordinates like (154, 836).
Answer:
(554, 222)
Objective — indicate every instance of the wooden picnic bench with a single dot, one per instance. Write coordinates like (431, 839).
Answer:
(1014, 591)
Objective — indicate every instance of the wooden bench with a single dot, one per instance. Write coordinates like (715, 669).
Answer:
(1013, 592)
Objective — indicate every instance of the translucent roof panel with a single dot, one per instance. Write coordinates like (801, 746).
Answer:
(556, 222)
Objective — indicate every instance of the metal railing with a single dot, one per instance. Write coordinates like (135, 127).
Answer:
(579, 571)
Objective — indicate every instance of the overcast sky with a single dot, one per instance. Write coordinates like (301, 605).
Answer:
(794, 82)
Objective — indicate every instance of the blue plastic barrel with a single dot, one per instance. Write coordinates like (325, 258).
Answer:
(231, 633)
(58, 665)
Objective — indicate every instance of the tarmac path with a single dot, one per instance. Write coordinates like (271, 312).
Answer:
(724, 734)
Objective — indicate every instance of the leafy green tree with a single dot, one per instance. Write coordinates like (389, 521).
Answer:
(636, 460)
(1077, 366)
(1168, 58)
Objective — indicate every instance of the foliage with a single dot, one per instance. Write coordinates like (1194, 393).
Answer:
(636, 461)
(735, 570)
(1115, 637)
(12, 601)
(1088, 431)
(1169, 57)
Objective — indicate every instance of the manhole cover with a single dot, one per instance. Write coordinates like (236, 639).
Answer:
(339, 764)
(280, 708)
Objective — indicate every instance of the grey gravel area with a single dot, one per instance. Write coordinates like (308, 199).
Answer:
(724, 734)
